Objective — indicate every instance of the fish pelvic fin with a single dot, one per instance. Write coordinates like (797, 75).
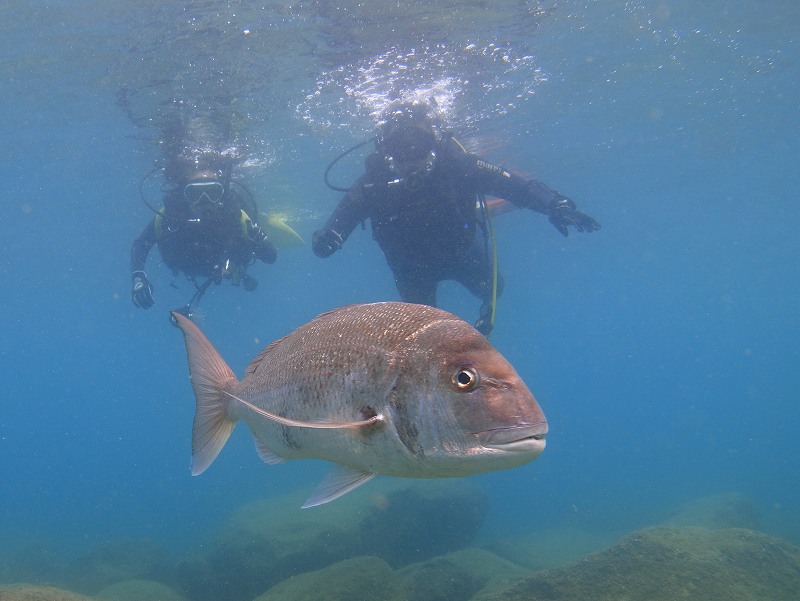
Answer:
(337, 482)
(211, 378)
(268, 455)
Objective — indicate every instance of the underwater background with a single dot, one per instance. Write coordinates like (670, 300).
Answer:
(663, 349)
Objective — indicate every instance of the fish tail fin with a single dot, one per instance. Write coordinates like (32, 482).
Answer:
(211, 380)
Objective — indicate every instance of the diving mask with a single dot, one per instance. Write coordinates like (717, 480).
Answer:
(206, 191)
(409, 144)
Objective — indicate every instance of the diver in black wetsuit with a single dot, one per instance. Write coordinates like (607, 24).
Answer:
(203, 230)
(423, 194)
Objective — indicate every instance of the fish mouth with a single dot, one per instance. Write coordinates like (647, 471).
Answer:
(522, 439)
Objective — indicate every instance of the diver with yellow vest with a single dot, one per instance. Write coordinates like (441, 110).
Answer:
(205, 229)
(424, 196)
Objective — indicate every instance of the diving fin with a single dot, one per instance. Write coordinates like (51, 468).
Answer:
(280, 233)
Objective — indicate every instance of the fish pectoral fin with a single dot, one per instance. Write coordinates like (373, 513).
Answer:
(267, 455)
(337, 482)
(324, 424)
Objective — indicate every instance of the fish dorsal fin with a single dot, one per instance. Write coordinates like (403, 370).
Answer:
(337, 482)
(251, 369)
(267, 455)
(341, 309)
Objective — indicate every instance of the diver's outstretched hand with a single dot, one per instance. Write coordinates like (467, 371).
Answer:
(563, 213)
(326, 242)
(142, 290)
(264, 249)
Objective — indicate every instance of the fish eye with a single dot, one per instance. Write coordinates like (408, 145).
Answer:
(466, 378)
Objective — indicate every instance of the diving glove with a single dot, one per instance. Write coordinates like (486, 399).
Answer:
(326, 242)
(142, 290)
(264, 249)
(562, 213)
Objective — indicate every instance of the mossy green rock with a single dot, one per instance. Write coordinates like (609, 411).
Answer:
(671, 564)
(116, 561)
(139, 590)
(458, 576)
(438, 580)
(397, 520)
(549, 547)
(30, 592)
(356, 579)
(723, 510)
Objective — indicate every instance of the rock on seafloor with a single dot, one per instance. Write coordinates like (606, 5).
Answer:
(671, 563)
(32, 592)
(139, 590)
(265, 542)
(452, 577)
(722, 510)
(356, 579)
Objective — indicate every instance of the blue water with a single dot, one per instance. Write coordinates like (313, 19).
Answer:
(663, 348)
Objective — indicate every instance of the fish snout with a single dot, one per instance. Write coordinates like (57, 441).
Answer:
(528, 438)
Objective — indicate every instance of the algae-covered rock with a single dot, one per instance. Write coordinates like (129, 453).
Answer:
(267, 541)
(437, 579)
(116, 561)
(488, 572)
(484, 566)
(458, 575)
(139, 590)
(356, 579)
(670, 563)
(724, 510)
(33, 562)
(549, 548)
(413, 524)
(30, 592)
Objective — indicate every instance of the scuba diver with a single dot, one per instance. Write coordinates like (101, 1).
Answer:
(205, 229)
(424, 196)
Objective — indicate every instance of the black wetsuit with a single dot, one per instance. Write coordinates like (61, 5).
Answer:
(426, 224)
(200, 246)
